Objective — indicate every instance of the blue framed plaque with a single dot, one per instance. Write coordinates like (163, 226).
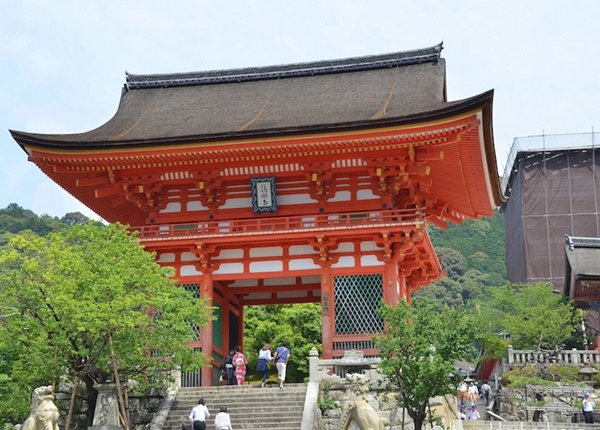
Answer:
(264, 198)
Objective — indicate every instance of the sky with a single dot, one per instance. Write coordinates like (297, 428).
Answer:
(63, 62)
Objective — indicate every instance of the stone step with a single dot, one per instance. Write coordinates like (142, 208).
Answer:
(250, 406)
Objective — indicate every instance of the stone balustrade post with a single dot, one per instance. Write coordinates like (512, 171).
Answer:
(313, 366)
(574, 356)
(511, 355)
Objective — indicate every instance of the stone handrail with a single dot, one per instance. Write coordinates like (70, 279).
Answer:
(523, 425)
(573, 357)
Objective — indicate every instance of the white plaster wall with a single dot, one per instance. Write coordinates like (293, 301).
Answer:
(189, 270)
(344, 247)
(301, 250)
(273, 251)
(230, 254)
(195, 206)
(370, 260)
(236, 203)
(294, 199)
(171, 207)
(266, 266)
(244, 283)
(344, 262)
(366, 195)
(341, 196)
(189, 256)
(229, 268)
(303, 264)
(370, 246)
(280, 281)
(166, 257)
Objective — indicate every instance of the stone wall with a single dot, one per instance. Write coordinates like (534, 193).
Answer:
(385, 403)
(141, 408)
(546, 404)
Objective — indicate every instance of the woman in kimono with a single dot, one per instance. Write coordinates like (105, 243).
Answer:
(240, 362)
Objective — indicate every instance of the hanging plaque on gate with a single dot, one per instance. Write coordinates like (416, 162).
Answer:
(263, 194)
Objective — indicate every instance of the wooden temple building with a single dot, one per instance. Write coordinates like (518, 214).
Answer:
(310, 182)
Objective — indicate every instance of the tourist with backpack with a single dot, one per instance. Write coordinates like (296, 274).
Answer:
(228, 369)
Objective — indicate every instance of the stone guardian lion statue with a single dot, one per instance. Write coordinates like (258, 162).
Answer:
(358, 413)
(44, 413)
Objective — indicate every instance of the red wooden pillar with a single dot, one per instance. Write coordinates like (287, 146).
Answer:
(206, 333)
(225, 324)
(327, 312)
(391, 284)
(240, 327)
(404, 291)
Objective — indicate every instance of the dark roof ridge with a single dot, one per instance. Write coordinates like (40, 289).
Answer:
(582, 242)
(370, 62)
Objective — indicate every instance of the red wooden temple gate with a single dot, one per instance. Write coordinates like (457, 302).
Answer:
(298, 183)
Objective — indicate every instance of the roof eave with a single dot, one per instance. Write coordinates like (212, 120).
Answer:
(57, 141)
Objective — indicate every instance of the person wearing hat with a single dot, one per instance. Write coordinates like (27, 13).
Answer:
(588, 408)
(473, 415)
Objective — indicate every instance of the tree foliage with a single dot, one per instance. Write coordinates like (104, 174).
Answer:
(15, 219)
(418, 348)
(472, 255)
(77, 296)
(299, 325)
(532, 314)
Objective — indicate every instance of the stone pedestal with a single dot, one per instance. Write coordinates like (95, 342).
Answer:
(106, 414)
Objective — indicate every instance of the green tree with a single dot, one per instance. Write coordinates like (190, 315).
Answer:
(418, 348)
(472, 255)
(533, 315)
(299, 325)
(82, 300)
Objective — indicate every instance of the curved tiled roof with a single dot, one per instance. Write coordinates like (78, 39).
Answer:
(426, 55)
(297, 98)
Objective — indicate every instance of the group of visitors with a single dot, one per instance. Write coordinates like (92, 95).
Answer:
(280, 358)
(200, 414)
(234, 365)
(233, 372)
(471, 394)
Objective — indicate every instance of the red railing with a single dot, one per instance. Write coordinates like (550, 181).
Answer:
(292, 224)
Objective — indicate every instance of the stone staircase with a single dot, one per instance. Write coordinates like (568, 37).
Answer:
(249, 406)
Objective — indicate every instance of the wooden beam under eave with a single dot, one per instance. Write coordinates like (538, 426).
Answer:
(89, 181)
(107, 191)
(438, 222)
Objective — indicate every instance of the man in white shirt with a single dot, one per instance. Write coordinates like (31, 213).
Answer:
(588, 408)
(199, 415)
(222, 420)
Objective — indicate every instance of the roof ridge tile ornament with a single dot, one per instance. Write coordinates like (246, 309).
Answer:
(353, 64)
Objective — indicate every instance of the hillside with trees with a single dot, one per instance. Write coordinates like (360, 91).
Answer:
(472, 255)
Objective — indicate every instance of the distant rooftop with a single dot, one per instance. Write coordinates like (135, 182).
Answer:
(582, 242)
(544, 143)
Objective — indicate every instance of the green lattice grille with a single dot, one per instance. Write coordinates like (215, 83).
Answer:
(195, 289)
(357, 299)
(217, 337)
